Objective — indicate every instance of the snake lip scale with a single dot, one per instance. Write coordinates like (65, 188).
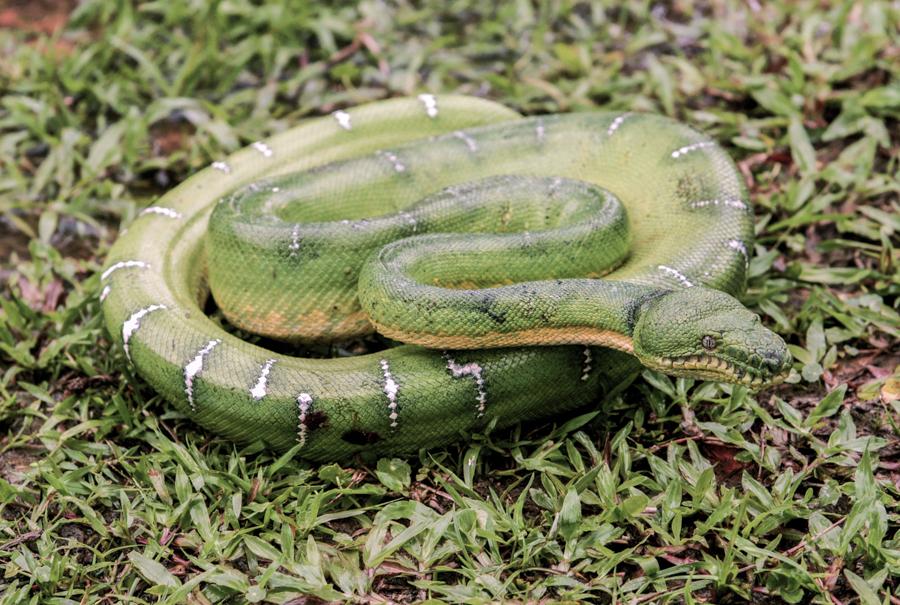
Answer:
(709, 367)
(532, 266)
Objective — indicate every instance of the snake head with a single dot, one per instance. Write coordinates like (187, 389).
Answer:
(703, 333)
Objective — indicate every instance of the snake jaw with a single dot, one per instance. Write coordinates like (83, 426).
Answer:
(715, 367)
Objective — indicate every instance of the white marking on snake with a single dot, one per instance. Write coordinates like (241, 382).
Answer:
(105, 292)
(343, 119)
(586, 368)
(259, 389)
(393, 159)
(133, 323)
(729, 203)
(295, 240)
(475, 371)
(222, 167)
(469, 141)
(677, 275)
(162, 211)
(193, 369)
(124, 264)
(736, 244)
(304, 402)
(539, 130)
(430, 103)
(555, 184)
(614, 125)
(692, 147)
(391, 388)
(410, 219)
(264, 149)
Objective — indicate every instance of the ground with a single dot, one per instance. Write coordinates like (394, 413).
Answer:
(675, 492)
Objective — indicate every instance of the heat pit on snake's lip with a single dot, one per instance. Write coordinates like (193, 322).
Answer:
(711, 367)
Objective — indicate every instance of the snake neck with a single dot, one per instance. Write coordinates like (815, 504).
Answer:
(583, 335)
(562, 312)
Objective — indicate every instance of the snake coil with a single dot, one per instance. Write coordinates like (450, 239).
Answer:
(453, 224)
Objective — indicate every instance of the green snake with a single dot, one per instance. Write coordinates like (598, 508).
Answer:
(454, 225)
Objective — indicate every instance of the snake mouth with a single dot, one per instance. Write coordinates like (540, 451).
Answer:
(711, 367)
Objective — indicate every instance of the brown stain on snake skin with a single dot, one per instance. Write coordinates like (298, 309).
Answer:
(316, 326)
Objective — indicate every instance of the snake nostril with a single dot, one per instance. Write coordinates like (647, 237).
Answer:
(777, 361)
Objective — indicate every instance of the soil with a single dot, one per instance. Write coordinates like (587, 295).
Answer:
(38, 16)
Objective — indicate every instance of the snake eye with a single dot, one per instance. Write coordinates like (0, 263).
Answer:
(708, 342)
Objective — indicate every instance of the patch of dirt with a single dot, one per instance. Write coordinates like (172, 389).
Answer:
(79, 240)
(12, 242)
(76, 384)
(72, 238)
(37, 16)
(15, 463)
(169, 136)
(727, 468)
(871, 364)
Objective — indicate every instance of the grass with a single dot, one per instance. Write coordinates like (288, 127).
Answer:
(674, 492)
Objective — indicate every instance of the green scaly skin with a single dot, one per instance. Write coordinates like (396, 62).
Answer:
(550, 202)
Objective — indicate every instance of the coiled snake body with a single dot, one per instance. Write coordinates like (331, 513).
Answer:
(451, 223)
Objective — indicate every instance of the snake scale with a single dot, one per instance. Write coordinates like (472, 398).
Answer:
(461, 228)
